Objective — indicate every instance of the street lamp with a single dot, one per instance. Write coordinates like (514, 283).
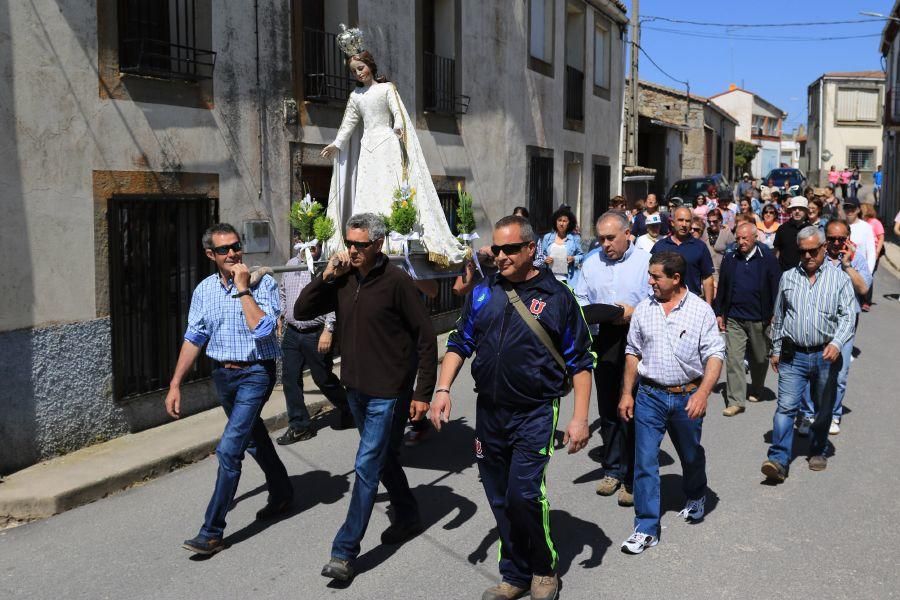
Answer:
(879, 15)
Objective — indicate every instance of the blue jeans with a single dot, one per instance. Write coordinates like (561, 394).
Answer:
(301, 350)
(804, 370)
(807, 409)
(380, 422)
(242, 393)
(657, 411)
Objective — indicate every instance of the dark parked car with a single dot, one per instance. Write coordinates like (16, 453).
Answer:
(794, 177)
(688, 189)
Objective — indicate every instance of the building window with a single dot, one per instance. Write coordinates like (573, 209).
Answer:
(155, 262)
(575, 31)
(602, 180)
(540, 188)
(325, 73)
(857, 106)
(862, 158)
(602, 52)
(540, 36)
(439, 56)
(162, 39)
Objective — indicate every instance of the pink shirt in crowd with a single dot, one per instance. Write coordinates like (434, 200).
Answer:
(877, 228)
(845, 177)
(834, 177)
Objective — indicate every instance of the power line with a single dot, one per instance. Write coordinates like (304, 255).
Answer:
(751, 25)
(661, 70)
(716, 36)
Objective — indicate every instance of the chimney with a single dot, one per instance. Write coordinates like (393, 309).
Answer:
(732, 87)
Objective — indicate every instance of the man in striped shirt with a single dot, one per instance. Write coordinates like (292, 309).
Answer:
(813, 320)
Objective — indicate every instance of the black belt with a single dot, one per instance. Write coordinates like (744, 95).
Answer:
(684, 388)
(243, 364)
(308, 330)
(809, 349)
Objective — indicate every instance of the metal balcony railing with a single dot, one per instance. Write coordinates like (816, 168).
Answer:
(439, 84)
(325, 73)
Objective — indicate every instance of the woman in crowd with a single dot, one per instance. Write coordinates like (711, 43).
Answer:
(701, 207)
(816, 206)
(745, 207)
(769, 225)
(867, 213)
(562, 247)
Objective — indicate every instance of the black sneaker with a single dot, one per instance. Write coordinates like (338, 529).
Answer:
(345, 421)
(338, 568)
(398, 533)
(275, 509)
(296, 435)
(202, 545)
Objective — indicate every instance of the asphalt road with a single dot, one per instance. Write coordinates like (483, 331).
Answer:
(820, 535)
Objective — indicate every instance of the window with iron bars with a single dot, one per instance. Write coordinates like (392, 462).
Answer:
(446, 301)
(155, 261)
(325, 72)
(540, 190)
(160, 38)
(439, 85)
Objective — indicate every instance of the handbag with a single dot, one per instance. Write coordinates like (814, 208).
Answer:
(540, 332)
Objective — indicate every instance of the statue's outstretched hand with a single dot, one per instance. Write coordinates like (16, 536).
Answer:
(329, 151)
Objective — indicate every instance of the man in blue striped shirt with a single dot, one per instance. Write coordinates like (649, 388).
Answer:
(813, 320)
(237, 325)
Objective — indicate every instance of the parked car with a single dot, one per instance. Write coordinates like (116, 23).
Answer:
(689, 189)
(794, 177)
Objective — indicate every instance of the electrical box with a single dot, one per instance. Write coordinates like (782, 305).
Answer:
(256, 237)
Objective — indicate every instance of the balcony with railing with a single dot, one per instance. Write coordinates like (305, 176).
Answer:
(439, 84)
(574, 94)
(325, 73)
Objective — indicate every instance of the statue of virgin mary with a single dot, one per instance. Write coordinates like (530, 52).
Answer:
(385, 157)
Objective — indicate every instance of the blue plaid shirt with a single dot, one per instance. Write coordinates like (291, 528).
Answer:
(217, 318)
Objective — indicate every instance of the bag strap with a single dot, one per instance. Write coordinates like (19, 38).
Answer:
(533, 325)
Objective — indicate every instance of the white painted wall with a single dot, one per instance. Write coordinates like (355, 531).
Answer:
(739, 104)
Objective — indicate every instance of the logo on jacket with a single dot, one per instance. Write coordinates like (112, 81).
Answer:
(537, 306)
(478, 452)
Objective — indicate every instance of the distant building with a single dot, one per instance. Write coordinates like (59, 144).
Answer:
(759, 122)
(791, 144)
(844, 127)
(889, 204)
(682, 136)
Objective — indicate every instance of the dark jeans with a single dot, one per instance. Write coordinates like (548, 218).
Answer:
(380, 422)
(243, 392)
(617, 455)
(657, 411)
(301, 351)
(513, 447)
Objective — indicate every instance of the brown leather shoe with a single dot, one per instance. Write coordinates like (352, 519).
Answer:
(504, 591)
(732, 410)
(608, 486)
(544, 587)
(818, 463)
(626, 498)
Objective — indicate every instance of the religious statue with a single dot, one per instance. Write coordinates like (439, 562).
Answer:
(385, 162)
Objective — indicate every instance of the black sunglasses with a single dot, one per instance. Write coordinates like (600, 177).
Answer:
(810, 252)
(508, 249)
(359, 245)
(223, 250)
(836, 239)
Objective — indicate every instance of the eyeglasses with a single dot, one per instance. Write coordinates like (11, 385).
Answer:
(359, 245)
(696, 230)
(508, 249)
(811, 252)
(223, 250)
(836, 239)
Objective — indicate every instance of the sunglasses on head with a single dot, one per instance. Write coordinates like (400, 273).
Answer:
(223, 250)
(359, 245)
(508, 249)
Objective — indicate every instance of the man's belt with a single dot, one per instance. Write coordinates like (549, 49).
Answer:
(685, 388)
(809, 349)
(241, 364)
(307, 329)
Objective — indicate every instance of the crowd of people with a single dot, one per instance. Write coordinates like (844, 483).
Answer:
(649, 312)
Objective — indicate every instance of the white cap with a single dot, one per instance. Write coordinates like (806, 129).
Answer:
(653, 219)
(799, 202)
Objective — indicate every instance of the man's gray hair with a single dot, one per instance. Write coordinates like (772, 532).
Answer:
(370, 222)
(526, 231)
(811, 231)
(617, 216)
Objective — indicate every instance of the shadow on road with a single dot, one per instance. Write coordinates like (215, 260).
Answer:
(452, 450)
(571, 536)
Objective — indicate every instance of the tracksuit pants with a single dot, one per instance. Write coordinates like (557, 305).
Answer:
(513, 447)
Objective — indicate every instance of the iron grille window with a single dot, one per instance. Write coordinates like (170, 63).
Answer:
(862, 158)
(601, 189)
(540, 192)
(439, 85)
(155, 262)
(325, 73)
(158, 38)
(574, 94)
(446, 301)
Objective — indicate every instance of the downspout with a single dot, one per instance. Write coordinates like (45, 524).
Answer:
(821, 127)
(622, 134)
(259, 105)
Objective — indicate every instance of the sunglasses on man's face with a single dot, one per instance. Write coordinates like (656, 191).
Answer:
(359, 245)
(223, 250)
(696, 230)
(508, 249)
(810, 252)
(836, 239)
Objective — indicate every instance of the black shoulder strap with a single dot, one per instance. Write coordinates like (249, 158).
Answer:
(532, 324)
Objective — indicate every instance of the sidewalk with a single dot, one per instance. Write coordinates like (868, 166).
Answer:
(65, 482)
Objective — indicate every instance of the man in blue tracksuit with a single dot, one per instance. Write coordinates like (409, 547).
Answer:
(519, 383)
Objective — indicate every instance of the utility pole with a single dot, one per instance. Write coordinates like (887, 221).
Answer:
(631, 151)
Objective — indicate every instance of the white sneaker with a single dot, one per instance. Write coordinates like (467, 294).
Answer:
(638, 542)
(694, 510)
(805, 425)
(835, 427)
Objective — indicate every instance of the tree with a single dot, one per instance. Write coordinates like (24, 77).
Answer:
(744, 152)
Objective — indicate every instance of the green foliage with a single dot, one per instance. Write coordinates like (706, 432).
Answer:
(323, 228)
(744, 152)
(465, 213)
(303, 216)
(403, 211)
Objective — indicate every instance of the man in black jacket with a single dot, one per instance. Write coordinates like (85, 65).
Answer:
(745, 299)
(519, 382)
(785, 243)
(382, 326)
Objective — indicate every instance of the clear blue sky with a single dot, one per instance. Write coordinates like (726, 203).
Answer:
(776, 70)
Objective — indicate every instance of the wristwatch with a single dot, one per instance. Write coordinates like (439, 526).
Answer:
(239, 294)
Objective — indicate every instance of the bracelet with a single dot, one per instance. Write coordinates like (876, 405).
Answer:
(439, 390)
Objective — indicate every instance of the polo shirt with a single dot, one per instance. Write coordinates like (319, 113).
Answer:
(696, 255)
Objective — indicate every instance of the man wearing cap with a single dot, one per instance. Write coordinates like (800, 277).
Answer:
(744, 186)
(653, 225)
(785, 243)
(642, 219)
(861, 233)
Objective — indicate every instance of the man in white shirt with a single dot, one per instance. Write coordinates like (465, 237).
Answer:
(654, 230)
(861, 233)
